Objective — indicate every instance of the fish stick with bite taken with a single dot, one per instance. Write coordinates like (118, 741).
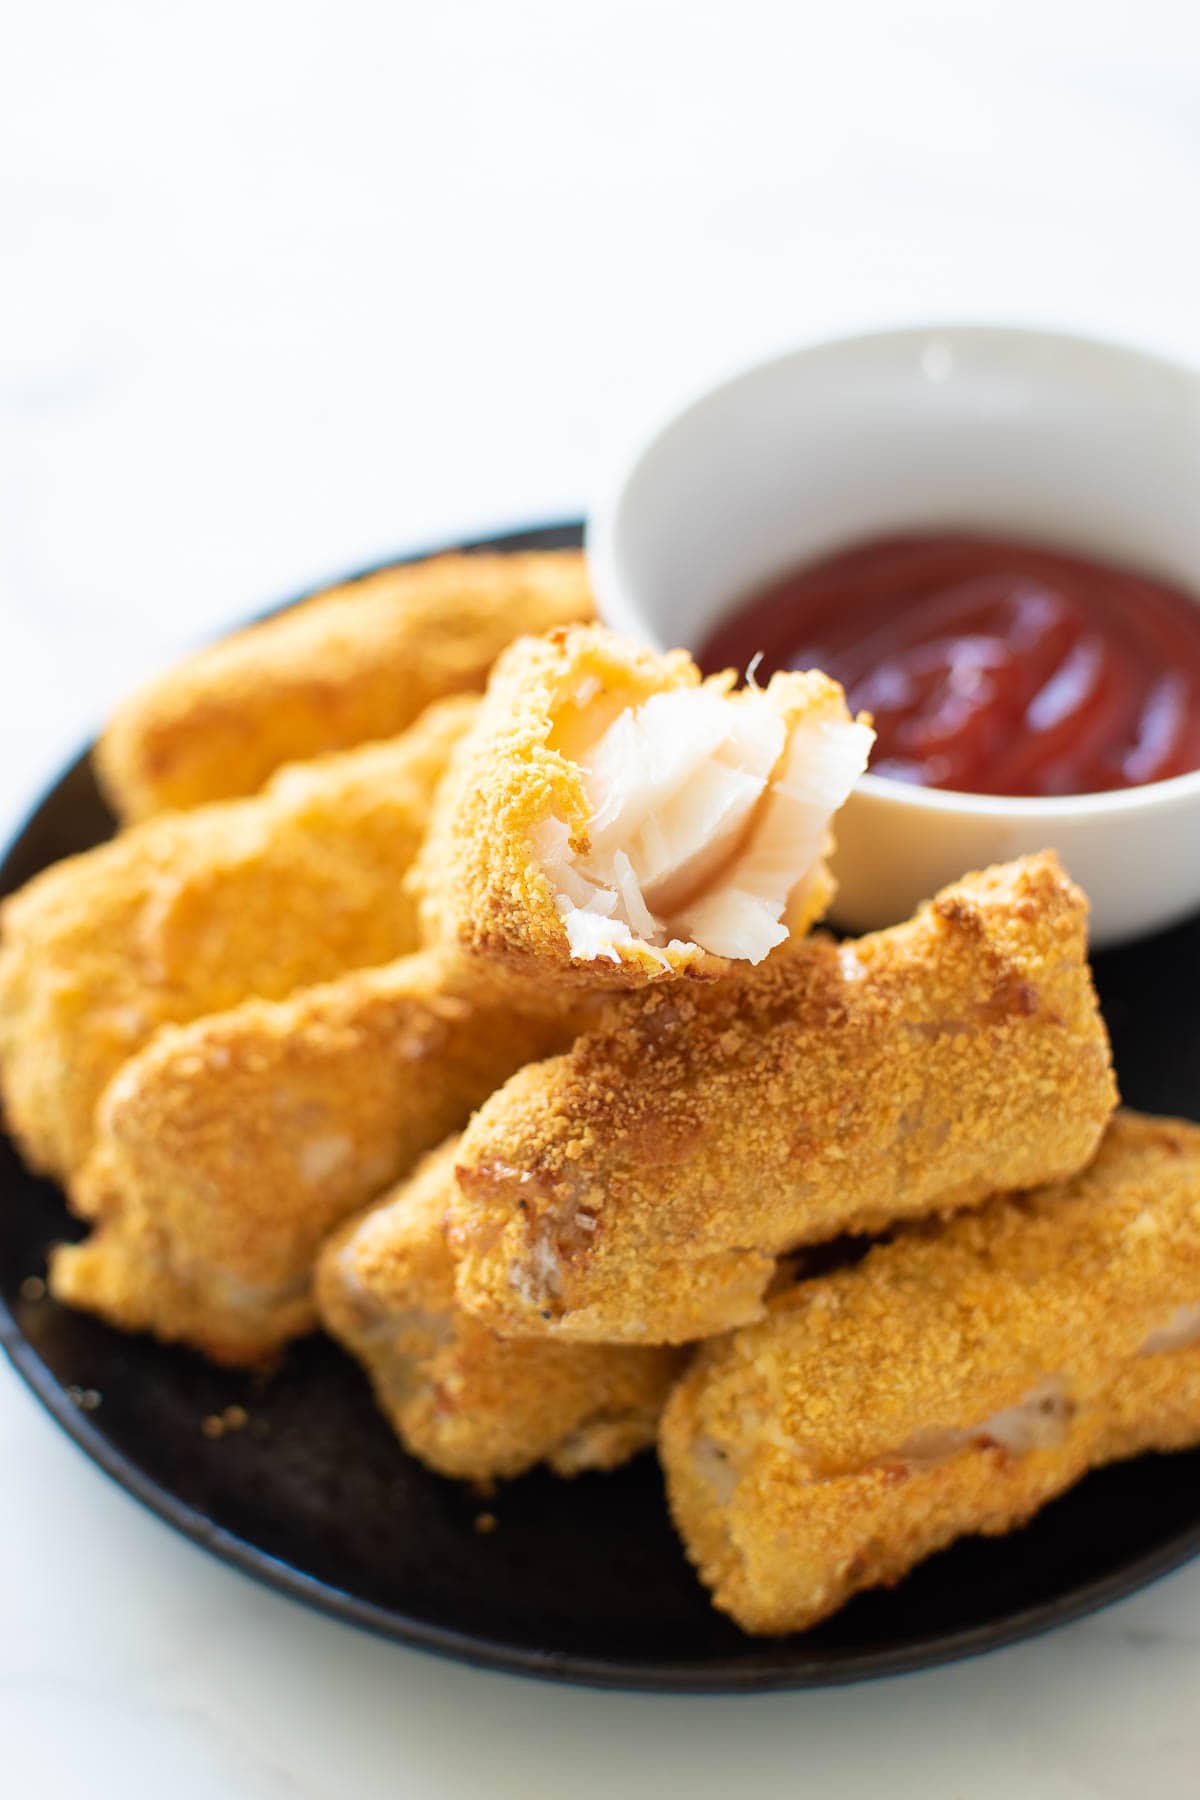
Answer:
(639, 1188)
(612, 820)
(194, 912)
(462, 1400)
(952, 1383)
(351, 665)
(228, 1149)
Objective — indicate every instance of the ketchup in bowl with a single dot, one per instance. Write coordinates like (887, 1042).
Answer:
(990, 667)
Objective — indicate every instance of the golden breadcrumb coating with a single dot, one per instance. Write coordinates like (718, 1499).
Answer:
(505, 873)
(195, 912)
(952, 1383)
(229, 1148)
(468, 1403)
(640, 1188)
(353, 664)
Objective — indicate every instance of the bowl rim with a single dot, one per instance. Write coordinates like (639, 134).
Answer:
(1085, 347)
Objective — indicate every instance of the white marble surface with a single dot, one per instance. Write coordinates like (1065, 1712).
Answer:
(286, 286)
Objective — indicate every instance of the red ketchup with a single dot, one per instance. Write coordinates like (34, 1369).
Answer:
(989, 667)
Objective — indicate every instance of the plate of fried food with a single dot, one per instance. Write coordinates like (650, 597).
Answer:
(454, 1174)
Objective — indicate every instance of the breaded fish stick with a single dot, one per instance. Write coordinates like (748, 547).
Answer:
(468, 1403)
(228, 1149)
(952, 1383)
(612, 819)
(640, 1188)
(353, 664)
(195, 912)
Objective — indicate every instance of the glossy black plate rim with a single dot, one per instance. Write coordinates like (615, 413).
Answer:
(760, 1671)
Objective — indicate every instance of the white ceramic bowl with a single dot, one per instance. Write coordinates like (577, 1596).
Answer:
(1066, 440)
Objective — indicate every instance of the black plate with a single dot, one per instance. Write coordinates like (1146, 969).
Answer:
(584, 1582)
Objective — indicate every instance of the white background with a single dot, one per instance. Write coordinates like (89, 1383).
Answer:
(284, 287)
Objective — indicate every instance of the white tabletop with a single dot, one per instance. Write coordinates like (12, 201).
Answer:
(284, 287)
